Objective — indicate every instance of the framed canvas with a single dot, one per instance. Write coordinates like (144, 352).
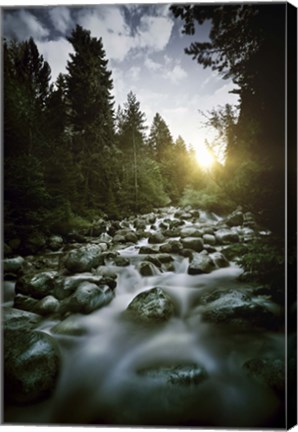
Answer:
(150, 215)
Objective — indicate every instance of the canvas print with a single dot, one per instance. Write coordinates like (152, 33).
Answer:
(149, 246)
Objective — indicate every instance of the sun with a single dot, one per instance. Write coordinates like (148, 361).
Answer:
(204, 157)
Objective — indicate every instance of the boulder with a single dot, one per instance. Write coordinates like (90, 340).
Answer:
(219, 259)
(209, 239)
(83, 259)
(148, 250)
(15, 319)
(235, 307)
(87, 298)
(268, 371)
(147, 268)
(193, 243)
(226, 236)
(166, 248)
(181, 374)
(31, 365)
(190, 231)
(156, 238)
(55, 242)
(105, 238)
(119, 238)
(152, 306)
(47, 306)
(131, 237)
(13, 265)
(235, 219)
(201, 263)
(65, 286)
(37, 286)
(25, 303)
(120, 261)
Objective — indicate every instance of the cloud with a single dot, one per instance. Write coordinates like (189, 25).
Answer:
(61, 18)
(134, 72)
(56, 53)
(22, 25)
(176, 74)
(152, 65)
(154, 32)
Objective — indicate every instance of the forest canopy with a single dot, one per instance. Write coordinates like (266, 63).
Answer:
(71, 156)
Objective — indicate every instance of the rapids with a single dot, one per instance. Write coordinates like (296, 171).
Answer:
(99, 383)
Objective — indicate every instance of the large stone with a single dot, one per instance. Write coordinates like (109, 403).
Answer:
(193, 243)
(65, 286)
(209, 239)
(235, 307)
(190, 231)
(153, 306)
(226, 236)
(47, 306)
(31, 366)
(201, 263)
(13, 265)
(235, 219)
(181, 374)
(15, 319)
(87, 298)
(25, 303)
(147, 268)
(55, 242)
(35, 242)
(219, 259)
(37, 286)
(156, 238)
(83, 259)
(148, 250)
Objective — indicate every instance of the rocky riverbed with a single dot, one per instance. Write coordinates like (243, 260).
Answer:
(143, 322)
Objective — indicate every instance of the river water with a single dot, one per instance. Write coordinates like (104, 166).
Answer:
(99, 381)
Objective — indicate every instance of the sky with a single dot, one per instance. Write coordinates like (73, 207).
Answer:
(145, 48)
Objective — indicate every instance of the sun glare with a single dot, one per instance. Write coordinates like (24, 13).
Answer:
(204, 157)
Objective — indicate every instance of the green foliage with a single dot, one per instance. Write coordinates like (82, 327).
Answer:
(209, 198)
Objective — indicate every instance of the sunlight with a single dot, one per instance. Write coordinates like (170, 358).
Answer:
(204, 157)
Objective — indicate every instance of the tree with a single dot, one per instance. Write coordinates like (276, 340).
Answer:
(131, 141)
(90, 116)
(247, 43)
(160, 139)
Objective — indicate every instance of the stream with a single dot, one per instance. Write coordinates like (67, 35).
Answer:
(100, 380)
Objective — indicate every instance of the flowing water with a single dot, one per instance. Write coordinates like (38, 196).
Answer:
(100, 384)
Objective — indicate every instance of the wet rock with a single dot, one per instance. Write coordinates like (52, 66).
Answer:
(148, 250)
(55, 242)
(238, 308)
(71, 326)
(175, 223)
(14, 319)
(153, 305)
(106, 272)
(105, 238)
(156, 238)
(87, 298)
(47, 306)
(13, 265)
(181, 374)
(201, 263)
(193, 243)
(270, 372)
(147, 268)
(187, 253)
(190, 231)
(38, 286)
(25, 303)
(164, 258)
(236, 218)
(219, 259)
(173, 232)
(83, 259)
(165, 248)
(67, 286)
(118, 238)
(173, 246)
(226, 236)
(209, 249)
(140, 224)
(131, 237)
(209, 239)
(121, 261)
(31, 365)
